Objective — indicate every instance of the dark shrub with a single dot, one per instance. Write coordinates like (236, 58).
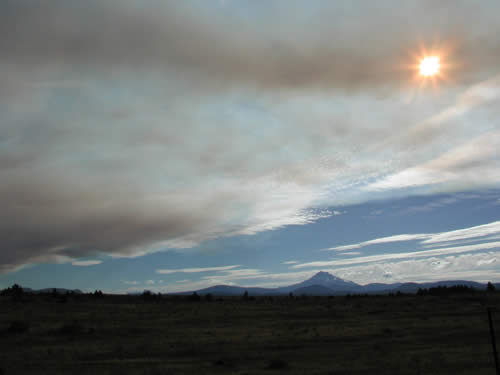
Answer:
(490, 287)
(14, 291)
(194, 297)
(147, 295)
(97, 294)
(71, 329)
(387, 331)
(18, 326)
(277, 364)
(224, 362)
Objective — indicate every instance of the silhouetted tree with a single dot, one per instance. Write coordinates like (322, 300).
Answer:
(14, 291)
(194, 297)
(444, 290)
(17, 291)
(490, 287)
(245, 295)
(147, 295)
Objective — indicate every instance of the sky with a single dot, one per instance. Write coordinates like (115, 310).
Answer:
(170, 146)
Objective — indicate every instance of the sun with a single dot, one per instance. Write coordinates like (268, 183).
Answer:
(429, 66)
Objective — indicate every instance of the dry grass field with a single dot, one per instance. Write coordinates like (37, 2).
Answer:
(47, 334)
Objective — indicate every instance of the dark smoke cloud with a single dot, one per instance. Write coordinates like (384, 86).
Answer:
(117, 131)
(340, 47)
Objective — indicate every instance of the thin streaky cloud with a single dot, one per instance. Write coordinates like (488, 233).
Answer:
(130, 282)
(413, 254)
(86, 263)
(476, 232)
(476, 95)
(467, 233)
(471, 266)
(459, 242)
(196, 270)
(395, 238)
(474, 163)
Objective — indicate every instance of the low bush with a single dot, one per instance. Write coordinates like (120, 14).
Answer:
(18, 326)
(71, 329)
(277, 364)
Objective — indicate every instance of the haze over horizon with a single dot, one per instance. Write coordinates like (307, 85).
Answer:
(173, 145)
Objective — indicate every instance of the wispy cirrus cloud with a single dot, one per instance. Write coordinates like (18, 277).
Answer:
(395, 238)
(131, 282)
(435, 258)
(474, 266)
(475, 163)
(86, 263)
(477, 233)
(196, 270)
(404, 255)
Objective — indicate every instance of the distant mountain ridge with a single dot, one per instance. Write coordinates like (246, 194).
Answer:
(51, 290)
(321, 284)
(326, 284)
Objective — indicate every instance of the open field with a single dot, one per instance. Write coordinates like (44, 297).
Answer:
(307, 335)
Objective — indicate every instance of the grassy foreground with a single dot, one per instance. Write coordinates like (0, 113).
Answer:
(280, 335)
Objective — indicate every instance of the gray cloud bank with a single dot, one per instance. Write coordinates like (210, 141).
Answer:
(130, 127)
(333, 46)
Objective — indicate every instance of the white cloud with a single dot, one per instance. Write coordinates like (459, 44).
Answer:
(196, 270)
(389, 256)
(433, 204)
(475, 266)
(486, 261)
(85, 263)
(244, 273)
(395, 238)
(475, 163)
(133, 282)
(467, 233)
(290, 262)
(485, 231)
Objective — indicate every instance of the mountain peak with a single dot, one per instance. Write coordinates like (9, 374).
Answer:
(328, 280)
(323, 276)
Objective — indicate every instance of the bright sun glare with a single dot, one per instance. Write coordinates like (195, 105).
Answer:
(429, 66)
